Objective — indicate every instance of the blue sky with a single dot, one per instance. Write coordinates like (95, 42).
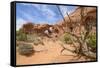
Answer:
(39, 13)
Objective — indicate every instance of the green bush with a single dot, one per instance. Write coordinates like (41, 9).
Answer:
(38, 41)
(91, 40)
(35, 39)
(21, 36)
(66, 38)
(31, 37)
(26, 49)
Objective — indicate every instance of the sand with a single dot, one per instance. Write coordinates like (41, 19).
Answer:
(50, 52)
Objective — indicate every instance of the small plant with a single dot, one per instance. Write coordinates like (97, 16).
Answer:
(26, 49)
(38, 41)
(91, 41)
(66, 38)
(31, 37)
(34, 39)
(21, 36)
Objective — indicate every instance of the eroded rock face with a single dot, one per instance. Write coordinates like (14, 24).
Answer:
(63, 26)
(41, 28)
(74, 21)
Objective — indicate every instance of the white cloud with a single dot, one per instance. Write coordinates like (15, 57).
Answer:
(38, 6)
(19, 23)
(27, 16)
(45, 10)
(50, 13)
(64, 10)
(28, 4)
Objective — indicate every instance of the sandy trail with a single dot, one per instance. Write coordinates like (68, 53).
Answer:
(50, 53)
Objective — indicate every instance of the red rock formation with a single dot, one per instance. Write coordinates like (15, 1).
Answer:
(62, 26)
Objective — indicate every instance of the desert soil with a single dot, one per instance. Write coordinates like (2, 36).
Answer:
(50, 52)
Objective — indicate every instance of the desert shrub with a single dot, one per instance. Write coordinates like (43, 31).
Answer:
(34, 39)
(66, 38)
(21, 36)
(26, 49)
(91, 40)
(38, 41)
